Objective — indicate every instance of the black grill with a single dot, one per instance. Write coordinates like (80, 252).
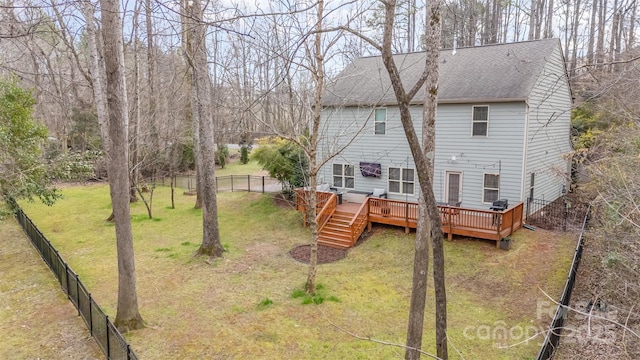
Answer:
(500, 205)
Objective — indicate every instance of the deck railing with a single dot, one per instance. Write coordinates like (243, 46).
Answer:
(359, 221)
(484, 224)
(327, 210)
(322, 199)
(478, 223)
(301, 201)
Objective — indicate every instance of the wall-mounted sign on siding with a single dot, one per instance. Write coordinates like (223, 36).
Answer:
(368, 169)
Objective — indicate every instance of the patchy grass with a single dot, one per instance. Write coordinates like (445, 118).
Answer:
(241, 306)
(318, 298)
(235, 167)
(36, 318)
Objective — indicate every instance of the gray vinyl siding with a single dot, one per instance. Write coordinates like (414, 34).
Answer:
(548, 133)
(500, 152)
(355, 124)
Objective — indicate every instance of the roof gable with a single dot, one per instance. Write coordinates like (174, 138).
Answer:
(500, 72)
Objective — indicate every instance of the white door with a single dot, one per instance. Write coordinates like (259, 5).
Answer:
(453, 189)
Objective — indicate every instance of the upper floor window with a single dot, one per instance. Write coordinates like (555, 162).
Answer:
(380, 121)
(401, 181)
(491, 188)
(343, 176)
(480, 122)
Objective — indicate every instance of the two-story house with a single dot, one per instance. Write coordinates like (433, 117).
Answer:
(502, 126)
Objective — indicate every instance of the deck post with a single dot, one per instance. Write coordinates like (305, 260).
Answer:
(498, 226)
(406, 218)
(369, 224)
(450, 234)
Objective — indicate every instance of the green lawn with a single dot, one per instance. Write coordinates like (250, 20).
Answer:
(241, 306)
(37, 321)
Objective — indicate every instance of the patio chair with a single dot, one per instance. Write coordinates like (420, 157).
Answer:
(380, 193)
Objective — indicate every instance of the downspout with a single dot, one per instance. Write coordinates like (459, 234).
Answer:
(525, 145)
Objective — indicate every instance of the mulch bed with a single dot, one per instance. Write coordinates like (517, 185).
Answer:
(326, 254)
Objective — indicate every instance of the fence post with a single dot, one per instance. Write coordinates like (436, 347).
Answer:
(66, 270)
(106, 322)
(248, 183)
(77, 293)
(217, 188)
(231, 183)
(263, 184)
(90, 316)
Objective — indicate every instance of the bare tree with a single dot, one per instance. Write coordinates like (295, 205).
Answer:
(127, 316)
(201, 108)
(423, 164)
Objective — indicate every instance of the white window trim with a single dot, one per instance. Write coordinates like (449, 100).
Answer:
(486, 188)
(401, 180)
(386, 112)
(473, 120)
(343, 176)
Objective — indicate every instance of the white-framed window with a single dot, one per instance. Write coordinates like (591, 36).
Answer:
(401, 180)
(480, 121)
(491, 188)
(343, 176)
(380, 121)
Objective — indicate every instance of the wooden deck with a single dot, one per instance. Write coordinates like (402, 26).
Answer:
(482, 224)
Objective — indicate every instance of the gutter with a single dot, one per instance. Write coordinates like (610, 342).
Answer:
(421, 102)
(525, 144)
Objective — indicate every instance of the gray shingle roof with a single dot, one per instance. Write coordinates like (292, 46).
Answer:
(501, 72)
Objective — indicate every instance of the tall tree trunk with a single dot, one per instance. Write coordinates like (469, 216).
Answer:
(614, 32)
(602, 13)
(191, 117)
(98, 79)
(423, 164)
(429, 148)
(415, 324)
(548, 28)
(127, 316)
(201, 101)
(96, 69)
(533, 18)
(574, 37)
(592, 32)
(135, 158)
(631, 39)
(318, 76)
(423, 233)
(151, 77)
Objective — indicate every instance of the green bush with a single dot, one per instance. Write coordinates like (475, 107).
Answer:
(244, 154)
(221, 155)
(284, 160)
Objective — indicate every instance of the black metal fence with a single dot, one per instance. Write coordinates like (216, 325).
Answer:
(552, 339)
(250, 183)
(560, 214)
(102, 329)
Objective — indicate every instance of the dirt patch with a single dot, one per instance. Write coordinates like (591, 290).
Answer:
(326, 254)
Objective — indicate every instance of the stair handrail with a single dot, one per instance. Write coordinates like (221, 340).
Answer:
(356, 217)
(327, 210)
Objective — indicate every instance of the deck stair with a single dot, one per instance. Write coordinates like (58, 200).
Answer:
(337, 232)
